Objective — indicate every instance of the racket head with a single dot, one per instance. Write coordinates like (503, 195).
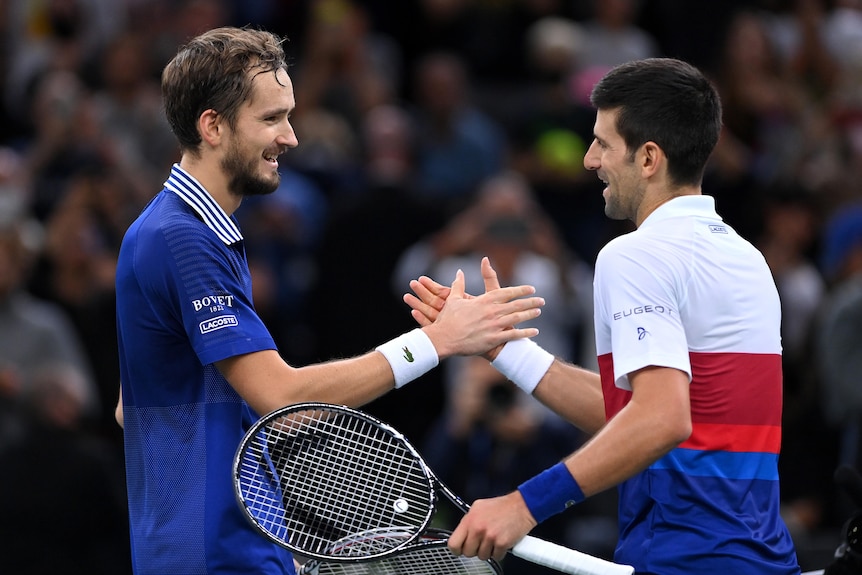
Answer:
(427, 555)
(309, 475)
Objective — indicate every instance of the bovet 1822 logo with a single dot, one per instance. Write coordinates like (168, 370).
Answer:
(213, 302)
(218, 323)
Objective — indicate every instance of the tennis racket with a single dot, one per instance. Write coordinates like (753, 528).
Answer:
(310, 475)
(429, 555)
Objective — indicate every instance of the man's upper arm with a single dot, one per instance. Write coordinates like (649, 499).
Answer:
(664, 391)
(252, 376)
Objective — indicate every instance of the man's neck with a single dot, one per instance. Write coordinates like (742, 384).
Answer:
(653, 201)
(211, 177)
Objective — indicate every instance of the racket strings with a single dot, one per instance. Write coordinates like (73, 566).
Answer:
(312, 480)
(424, 559)
(363, 468)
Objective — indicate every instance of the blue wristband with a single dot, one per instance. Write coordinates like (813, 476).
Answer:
(552, 491)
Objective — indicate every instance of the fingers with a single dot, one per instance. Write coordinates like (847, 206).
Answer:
(433, 287)
(492, 282)
(475, 542)
(516, 312)
(428, 300)
(516, 333)
(430, 292)
(456, 540)
(423, 314)
(470, 543)
(458, 285)
(502, 295)
(422, 319)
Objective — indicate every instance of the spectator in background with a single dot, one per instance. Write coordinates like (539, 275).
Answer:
(364, 236)
(432, 26)
(54, 36)
(839, 354)
(284, 230)
(127, 109)
(799, 31)
(549, 128)
(772, 129)
(346, 69)
(61, 143)
(171, 23)
(389, 156)
(35, 333)
(457, 144)
(612, 36)
(791, 219)
(75, 268)
(63, 508)
(505, 223)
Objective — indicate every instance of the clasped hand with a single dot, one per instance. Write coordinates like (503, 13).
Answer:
(487, 322)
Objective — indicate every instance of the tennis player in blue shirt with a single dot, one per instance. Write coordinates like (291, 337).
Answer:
(197, 364)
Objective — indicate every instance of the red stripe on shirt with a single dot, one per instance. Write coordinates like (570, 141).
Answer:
(736, 388)
(736, 438)
(740, 389)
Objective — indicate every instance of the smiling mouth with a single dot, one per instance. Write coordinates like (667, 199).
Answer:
(272, 159)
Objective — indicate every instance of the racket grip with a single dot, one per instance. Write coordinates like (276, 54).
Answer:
(566, 560)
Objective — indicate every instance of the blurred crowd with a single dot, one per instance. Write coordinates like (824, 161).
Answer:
(431, 132)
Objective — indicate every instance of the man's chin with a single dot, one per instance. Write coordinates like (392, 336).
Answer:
(257, 187)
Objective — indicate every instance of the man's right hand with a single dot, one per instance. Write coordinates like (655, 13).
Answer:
(430, 298)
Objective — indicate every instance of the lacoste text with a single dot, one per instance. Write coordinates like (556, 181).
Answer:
(218, 323)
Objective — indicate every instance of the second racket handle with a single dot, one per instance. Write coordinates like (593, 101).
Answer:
(565, 559)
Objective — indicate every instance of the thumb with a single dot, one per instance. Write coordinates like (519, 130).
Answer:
(489, 274)
(458, 286)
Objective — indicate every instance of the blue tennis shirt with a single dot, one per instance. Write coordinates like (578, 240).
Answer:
(184, 302)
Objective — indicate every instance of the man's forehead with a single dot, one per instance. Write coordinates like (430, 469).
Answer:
(270, 84)
(606, 123)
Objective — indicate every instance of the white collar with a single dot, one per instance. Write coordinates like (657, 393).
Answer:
(689, 205)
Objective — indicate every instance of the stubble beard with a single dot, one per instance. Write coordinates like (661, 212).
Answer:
(243, 180)
(614, 208)
(623, 205)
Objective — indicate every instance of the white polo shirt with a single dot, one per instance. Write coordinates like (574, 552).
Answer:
(685, 291)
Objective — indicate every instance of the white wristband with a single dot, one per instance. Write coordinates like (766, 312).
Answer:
(410, 356)
(524, 363)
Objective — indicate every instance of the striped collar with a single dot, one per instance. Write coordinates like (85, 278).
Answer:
(193, 193)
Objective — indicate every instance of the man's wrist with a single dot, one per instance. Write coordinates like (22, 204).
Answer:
(550, 492)
(524, 363)
(410, 356)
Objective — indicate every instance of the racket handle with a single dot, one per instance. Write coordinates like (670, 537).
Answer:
(566, 560)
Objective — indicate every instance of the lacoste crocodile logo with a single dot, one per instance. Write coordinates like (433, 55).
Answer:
(407, 355)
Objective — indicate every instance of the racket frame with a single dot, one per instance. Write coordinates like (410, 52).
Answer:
(431, 540)
(252, 436)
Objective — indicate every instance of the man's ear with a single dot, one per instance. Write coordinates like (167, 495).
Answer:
(211, 127)
(652, 159)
